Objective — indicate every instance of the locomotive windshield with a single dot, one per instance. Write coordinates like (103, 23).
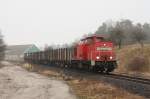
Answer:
(99, 39)
(89, 41)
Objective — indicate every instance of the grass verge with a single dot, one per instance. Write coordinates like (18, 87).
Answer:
(85, 88)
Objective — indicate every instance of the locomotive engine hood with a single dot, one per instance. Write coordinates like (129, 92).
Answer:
(104, 51)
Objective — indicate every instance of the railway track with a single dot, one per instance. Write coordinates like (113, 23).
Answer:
(93, 75)
(119, 76)
(129, 78)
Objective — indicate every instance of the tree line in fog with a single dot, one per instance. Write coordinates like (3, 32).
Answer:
(2, 47)
(125, 32)
(121, 32)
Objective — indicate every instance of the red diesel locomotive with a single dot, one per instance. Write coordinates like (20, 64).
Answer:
(92, 53)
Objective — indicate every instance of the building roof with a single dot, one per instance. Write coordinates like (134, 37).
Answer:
(20, 49)
(31, 49)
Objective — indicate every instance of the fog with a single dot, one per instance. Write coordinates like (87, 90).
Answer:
(62, 21)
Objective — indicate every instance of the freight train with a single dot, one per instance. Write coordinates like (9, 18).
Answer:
(93, 53)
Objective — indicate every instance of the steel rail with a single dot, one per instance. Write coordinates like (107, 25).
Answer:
(129, 78)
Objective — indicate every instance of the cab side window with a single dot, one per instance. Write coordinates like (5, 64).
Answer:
(89, 41)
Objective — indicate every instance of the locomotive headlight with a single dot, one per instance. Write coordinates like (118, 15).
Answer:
(110, 57)
(97, 57)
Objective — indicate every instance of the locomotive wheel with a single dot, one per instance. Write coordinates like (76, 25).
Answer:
(107, 71)
(94, 69)
(97, 69)
(101, 71)
(110, 70)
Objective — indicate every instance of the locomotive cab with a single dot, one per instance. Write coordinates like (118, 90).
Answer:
(97, 53)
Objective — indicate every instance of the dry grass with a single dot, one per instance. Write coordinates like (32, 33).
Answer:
(89, 89)
(85, 88)
(27, 66)
(1, 65)
(138, 63)
(134, 58)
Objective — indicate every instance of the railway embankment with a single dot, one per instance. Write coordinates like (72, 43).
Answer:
(88, 85)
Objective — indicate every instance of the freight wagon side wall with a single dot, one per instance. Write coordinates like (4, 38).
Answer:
(59, 56)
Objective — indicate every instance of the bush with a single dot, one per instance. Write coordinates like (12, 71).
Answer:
(2, 48)
(138, 63)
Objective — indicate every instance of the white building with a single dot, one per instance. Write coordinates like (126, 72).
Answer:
(16, 52)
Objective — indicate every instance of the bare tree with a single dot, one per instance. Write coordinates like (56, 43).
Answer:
(102, 29)
(117, 35)
(138, 34)
(105, 28)
(124, 31)
(146, 28)
(2, 48)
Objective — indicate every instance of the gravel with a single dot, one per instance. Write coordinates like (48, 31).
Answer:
(17, 83)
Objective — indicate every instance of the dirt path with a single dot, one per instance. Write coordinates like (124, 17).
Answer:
(17, 83)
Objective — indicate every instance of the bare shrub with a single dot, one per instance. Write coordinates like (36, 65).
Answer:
(117, 35)
(138, 34)
(138, 63)
(2, 48)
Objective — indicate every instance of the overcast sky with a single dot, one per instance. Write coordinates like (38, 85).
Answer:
(62, 21)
